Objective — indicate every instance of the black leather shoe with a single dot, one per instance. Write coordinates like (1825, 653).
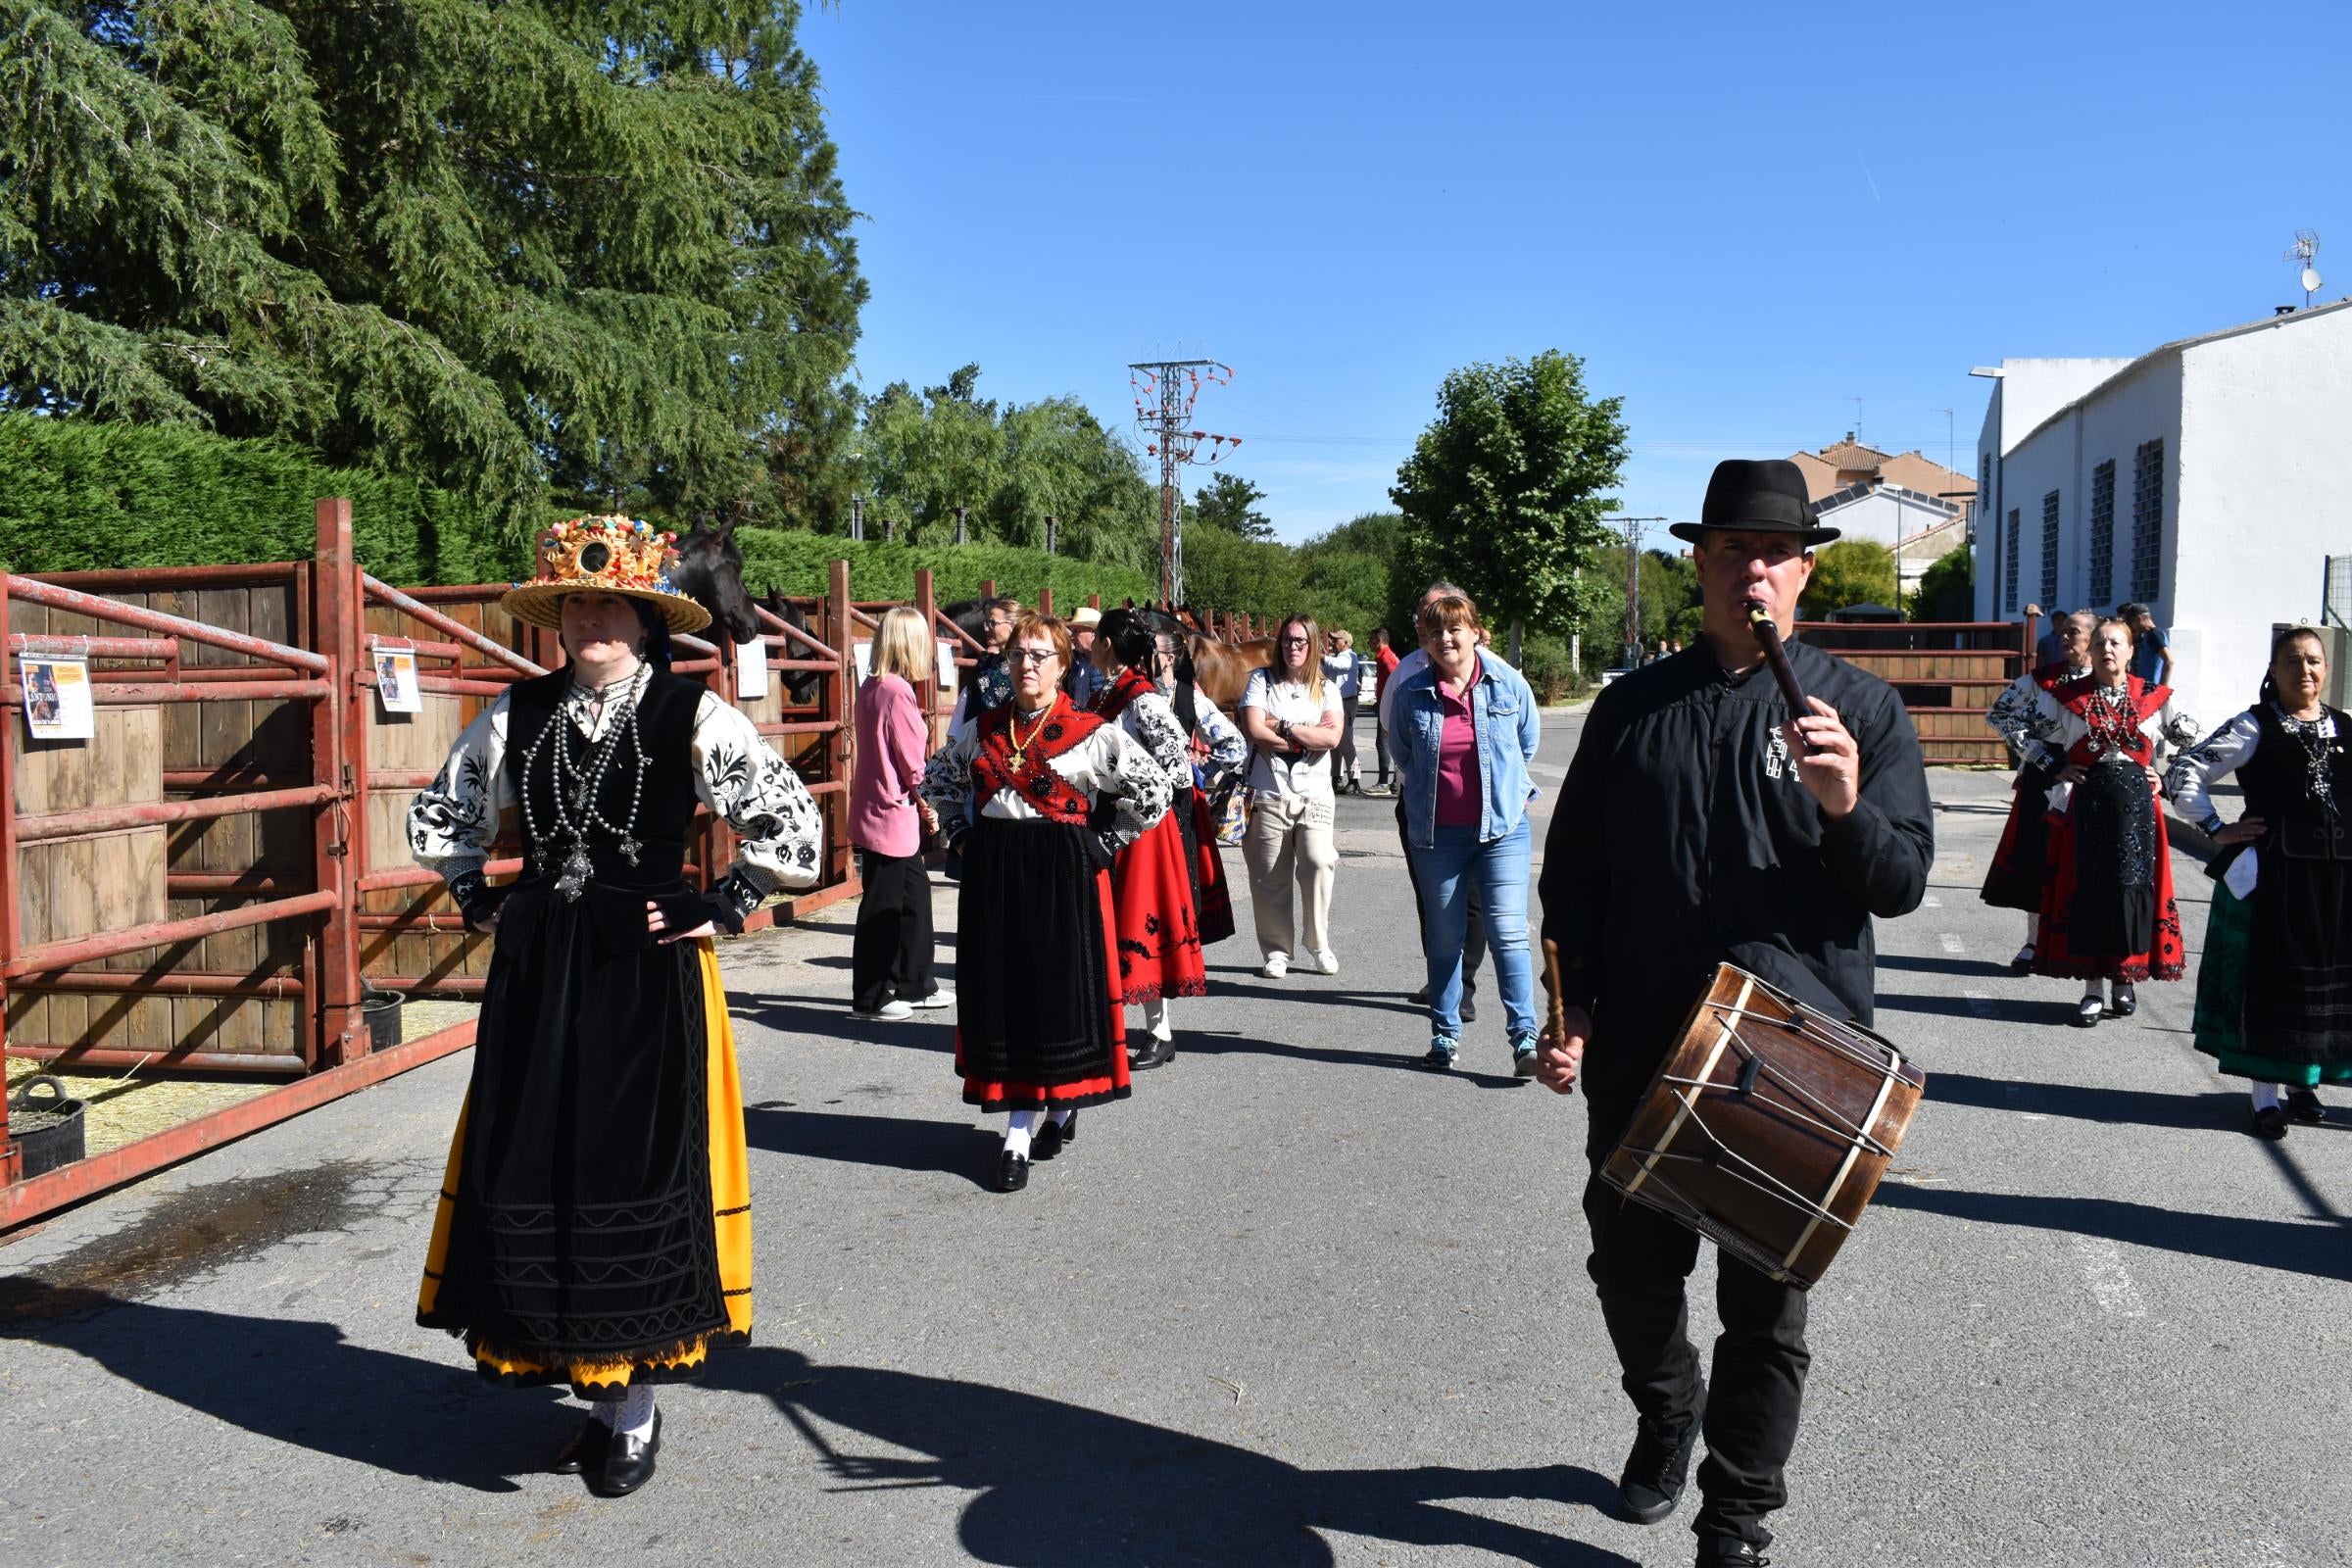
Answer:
(1013, 1172)
(1051, 1134)
(1154, 1053)
(1655, 1472)
(628, 1463)
(1724, 1551)
(2304, 1106)
(2269, 1122)
(584, 1450)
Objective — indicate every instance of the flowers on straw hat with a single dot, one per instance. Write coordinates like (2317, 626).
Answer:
(613, 554)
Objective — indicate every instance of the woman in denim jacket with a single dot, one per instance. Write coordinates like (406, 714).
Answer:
(1465, 728)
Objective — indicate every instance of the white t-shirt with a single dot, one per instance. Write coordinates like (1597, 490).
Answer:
(1347, 668)
(1308, 773)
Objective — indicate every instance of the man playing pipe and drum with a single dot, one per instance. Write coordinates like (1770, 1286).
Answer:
(1716, 840)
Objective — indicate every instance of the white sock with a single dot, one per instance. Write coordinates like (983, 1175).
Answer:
(1155, 1020)
(1022, 1128)
(1062, 1117)
(636, 1413)
(2266, 1097)
(605, 1411)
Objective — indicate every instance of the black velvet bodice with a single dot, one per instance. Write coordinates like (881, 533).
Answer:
(665, 714)
(2276, 780)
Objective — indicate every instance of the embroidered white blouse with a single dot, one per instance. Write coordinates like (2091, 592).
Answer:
(1108, 763)
(781, 834)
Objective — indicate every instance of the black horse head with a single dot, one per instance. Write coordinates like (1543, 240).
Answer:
(709, 571)
(801, 684)
(971, 616)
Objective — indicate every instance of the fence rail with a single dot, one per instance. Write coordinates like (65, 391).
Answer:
(269, 886)
(1940, 668)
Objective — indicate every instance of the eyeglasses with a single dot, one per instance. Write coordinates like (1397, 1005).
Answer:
(1294, 642)
(1030, 656)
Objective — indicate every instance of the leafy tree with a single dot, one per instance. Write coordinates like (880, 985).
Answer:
(1946, 590)
(1507, 490)
(1230, 502)
(1850, 572)
(601, 247)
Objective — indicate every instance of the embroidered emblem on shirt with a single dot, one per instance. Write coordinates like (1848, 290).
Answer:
(1776, 756)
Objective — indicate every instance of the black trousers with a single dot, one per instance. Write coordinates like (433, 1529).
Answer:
(891, 955)
(1640, 1263)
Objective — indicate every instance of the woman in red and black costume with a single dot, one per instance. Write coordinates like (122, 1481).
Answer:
(1152, 885)
(2107, 910)
(1058, 792)
(2022, 863)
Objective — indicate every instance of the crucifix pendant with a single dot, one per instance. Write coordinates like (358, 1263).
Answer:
(577, 872)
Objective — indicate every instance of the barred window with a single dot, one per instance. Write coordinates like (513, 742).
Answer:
(2147, 523)
(2049, 552)
(2009, 562)
(2101, 589)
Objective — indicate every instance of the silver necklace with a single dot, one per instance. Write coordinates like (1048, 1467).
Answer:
(575, 784)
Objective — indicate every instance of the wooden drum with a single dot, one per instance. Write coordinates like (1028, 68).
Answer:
(1768, 1127)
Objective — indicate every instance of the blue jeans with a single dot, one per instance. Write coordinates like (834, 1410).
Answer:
(1498, 868)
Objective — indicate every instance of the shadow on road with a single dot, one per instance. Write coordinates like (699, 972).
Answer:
(2005, 1010)
(2316, 1249)
(303, 1384)
(1928, 964)
(1058, 1486)
(926, 1031)
(1209, 1043)
(892, 1142)
(2092, 1103)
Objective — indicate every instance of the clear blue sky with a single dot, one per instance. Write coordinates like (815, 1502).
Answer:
(1741, 218)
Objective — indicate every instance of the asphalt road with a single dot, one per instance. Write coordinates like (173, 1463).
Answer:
(1296, 1302)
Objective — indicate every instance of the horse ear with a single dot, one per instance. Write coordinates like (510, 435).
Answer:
(727, 529)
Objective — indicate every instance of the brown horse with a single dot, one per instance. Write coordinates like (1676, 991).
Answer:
(1222, 671)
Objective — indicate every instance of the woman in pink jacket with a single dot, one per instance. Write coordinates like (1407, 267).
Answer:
(889, 959)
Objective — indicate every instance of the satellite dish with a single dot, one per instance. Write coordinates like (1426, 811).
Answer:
(2311, 280)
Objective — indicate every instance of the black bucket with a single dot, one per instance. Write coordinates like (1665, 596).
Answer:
(48, 1128)
(381, 1009)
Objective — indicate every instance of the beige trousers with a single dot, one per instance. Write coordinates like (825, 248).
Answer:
(1290, 840)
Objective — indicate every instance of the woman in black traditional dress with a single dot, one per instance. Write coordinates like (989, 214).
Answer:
(2275, 985)
(1054, 794)
(2020, 864)
(2107, 909)
(594, 1228)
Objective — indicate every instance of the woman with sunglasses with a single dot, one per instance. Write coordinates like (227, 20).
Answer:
(1052, 796)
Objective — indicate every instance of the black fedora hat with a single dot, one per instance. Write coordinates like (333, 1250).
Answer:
(1759, 497)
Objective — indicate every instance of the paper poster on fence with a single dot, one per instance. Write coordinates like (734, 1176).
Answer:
(396, 681)
(750, 668)
(946, 667)
(865, 661)
(57, 698)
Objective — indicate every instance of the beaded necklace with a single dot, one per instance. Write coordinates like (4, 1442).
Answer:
(2318, 782)
(2111, 720)
(574, 784)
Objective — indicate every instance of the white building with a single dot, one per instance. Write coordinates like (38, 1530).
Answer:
(1917, 527)
(2210, 479)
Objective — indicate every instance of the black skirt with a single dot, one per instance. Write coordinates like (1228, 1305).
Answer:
(2298, 984)
(579, 1226)
(1036, 1024)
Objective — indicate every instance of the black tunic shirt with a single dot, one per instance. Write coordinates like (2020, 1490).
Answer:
(1684, 838)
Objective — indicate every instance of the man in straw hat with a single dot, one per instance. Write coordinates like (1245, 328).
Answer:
(1702, 821)
(1084, 681)
(594, 1228)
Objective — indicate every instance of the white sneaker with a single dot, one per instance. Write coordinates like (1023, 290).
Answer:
(940, 996)
(1277, 965)
(1328, 962)
(892, 1011)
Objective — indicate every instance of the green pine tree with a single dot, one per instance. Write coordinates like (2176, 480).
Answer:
(496, 247)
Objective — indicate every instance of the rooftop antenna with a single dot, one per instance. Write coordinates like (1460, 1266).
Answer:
(2306, 250)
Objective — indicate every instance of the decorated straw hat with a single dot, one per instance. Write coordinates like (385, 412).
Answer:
(613, 554)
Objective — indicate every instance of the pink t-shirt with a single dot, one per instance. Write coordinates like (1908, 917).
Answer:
(892, 737)
(1459, 792)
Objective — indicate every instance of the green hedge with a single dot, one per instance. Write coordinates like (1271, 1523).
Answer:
(76, 494)
(797, 563)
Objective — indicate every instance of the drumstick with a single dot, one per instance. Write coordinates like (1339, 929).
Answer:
(1555, 1012)
(1768, 637)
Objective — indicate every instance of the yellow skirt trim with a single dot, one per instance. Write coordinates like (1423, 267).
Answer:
(732, 1212)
